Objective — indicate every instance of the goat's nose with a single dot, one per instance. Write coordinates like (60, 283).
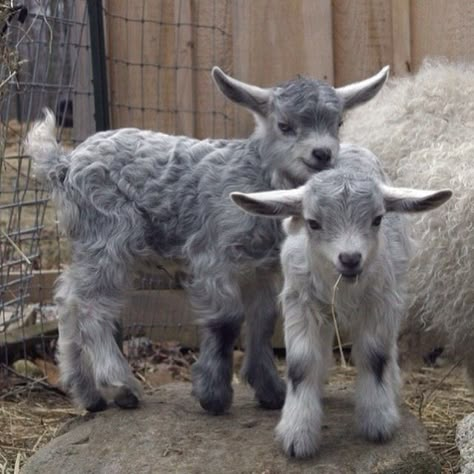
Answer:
(323, 155)
(350, 259)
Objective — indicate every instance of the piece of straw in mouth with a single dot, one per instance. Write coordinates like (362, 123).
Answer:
(333, 312)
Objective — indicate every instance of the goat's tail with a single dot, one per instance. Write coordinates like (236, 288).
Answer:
(50, 161)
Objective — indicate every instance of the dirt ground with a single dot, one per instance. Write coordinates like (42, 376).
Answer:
(31, 414)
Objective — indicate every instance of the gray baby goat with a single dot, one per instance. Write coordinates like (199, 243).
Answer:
(130, 199)
(346, 224)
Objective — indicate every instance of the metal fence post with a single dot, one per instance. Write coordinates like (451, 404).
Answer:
(99, 67)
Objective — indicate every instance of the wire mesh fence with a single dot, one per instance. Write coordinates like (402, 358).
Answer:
(157, 59)
(47, 42)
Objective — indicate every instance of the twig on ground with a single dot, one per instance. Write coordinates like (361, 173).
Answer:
(32, 381)
(424, 401)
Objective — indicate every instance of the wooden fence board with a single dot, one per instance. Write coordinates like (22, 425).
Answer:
(212, 46)
(83, 106)
(442, 28)
(273, 43)
(184, 74)
(362, 38)
(167, 315)
(401, 37)
(160, 314)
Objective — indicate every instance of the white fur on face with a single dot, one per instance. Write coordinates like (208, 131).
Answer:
(327, 252)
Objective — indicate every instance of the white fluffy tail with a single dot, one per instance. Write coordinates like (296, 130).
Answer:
(50, 162)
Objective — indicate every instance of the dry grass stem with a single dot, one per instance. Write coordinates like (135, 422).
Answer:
(336, 327)
(15, 246)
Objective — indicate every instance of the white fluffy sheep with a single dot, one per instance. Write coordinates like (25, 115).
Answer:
(422, 128)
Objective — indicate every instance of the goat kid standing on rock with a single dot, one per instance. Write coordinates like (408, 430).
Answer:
(130, 199)
(346, 235)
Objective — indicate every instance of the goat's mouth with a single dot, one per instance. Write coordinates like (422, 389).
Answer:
(350, 275)
(315, 166)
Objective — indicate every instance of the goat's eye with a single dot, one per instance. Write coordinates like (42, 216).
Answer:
(285, 128)
(377, 221)
(313, 224)
(341, 123)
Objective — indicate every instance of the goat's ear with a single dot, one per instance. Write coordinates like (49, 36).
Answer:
(271, 203)
(413, 200)
(252, 97)
(360, 92)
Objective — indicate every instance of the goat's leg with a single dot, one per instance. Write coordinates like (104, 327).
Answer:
(259, 369)
(219, 302)
(92, 366)
(378, 379)
(113, 375)
(75, 367)
(299, 429)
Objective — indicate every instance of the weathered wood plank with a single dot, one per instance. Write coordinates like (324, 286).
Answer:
(442, 28)
(276, 40)
(41, 286)
(28, 335)
(185, 108)
(83, 104)
(212, 46)
(362, 38)
(167, 315)
(401, 37)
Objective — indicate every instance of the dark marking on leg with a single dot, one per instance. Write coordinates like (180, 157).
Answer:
(378, 362)
(296, 374)
(225, 333)
(212, 373)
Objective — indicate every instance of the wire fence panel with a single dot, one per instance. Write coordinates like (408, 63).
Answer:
(48, 47)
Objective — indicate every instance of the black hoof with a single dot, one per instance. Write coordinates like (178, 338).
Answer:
(99, 405)
(214, 396)
(216, 407)
(272, 399)
(273, 404)
(126, 399)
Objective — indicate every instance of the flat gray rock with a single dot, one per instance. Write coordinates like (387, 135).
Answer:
(170, 433)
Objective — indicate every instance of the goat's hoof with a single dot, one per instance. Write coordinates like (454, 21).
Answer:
(378, 436)
(215, 396)
(274, 404)
(216, 402)
(99, 405)
(301, 446)
(215, 407)
(125, 398)
(379, 428)
(273, 399)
